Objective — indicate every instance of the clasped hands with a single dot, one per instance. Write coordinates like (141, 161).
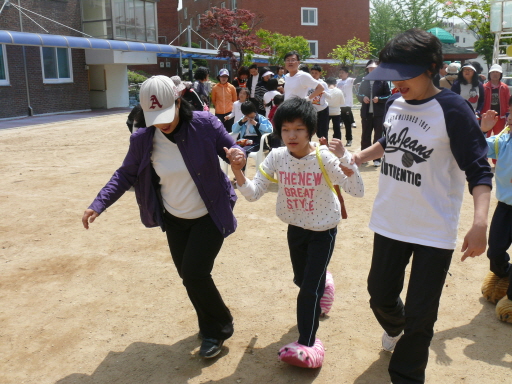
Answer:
(236, 158)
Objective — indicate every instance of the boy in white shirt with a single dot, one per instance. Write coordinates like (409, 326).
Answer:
(346, 84)
(299, 82)
(336, 100)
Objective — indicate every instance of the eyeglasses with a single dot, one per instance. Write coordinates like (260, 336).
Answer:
(291, 61)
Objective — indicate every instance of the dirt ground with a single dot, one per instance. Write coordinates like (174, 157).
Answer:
(107, 306)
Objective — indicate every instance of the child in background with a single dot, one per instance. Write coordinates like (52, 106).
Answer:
(500, 233)
(273, 140)
(251, 127)
(223, 97)
(306, 202)
(268, 97)
(278, 100)
(243, 96)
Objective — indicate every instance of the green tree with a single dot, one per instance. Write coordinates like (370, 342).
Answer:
(390, 17)
(383, 24)
(353, 50)
(280, 44)
(475, 15)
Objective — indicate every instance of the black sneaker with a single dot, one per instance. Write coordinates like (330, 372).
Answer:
(210, 347)
(349, 143)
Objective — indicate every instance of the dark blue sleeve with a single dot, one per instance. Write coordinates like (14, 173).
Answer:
(467, 143)
(481, 98)
(456, 87)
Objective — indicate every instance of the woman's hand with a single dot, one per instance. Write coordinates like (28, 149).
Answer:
(88, 217)
(236, 158)
(366, 100)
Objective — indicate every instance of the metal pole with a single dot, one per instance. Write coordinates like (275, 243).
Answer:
(189, 37)
(30, 110)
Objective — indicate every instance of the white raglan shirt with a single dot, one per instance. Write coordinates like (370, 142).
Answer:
(304, 198)
(298, 84)
(421, 184)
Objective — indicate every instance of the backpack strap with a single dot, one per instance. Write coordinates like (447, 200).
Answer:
(497, 140)
(322, 168)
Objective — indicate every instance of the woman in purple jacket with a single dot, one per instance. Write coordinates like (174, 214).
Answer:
(179, 186)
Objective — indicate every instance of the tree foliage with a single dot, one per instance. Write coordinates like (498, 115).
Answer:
(236, 27)
(353, 50)
(390, 17)
(279, 45)
(475, 15)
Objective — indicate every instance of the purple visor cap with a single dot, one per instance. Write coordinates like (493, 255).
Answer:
(396, 71)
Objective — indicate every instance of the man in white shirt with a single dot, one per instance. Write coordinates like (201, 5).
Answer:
(346, 83)
(298, 82)
(321, 104)
(336, 100)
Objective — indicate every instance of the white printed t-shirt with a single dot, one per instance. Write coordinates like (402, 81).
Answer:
(298, 85)
(430, 147)
(304, 198)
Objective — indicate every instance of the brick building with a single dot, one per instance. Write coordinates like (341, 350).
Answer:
(46, 67)
(325, 24)
(57, 79)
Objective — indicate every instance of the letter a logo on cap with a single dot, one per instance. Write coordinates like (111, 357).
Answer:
(154, 102)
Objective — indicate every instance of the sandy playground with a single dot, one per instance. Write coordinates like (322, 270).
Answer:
(107, 306)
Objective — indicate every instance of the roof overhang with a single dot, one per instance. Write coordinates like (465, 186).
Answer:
(60, 41)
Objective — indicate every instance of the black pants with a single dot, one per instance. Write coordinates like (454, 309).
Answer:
(310, 253)
(385, 283)
(227, 123)
(194, 245)
(336, 126)
(348, 119)
(371, 124)
(322, 125)
(254, 147)
(500, 238)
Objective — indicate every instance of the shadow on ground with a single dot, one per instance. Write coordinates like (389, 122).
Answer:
(158, 363)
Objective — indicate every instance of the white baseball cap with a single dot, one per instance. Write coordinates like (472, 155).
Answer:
(496, 68)
(157, 97)
(223, 72)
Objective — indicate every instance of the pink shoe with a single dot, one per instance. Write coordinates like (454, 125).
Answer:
(328, 297)
(303, 356)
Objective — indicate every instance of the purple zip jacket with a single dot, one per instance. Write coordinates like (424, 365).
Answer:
(200, 141)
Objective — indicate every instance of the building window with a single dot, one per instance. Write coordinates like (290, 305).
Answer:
(463, 40)
(198, 21)
(185, 13)
(313, 47)
(223, 4)
(456, 39)
(120, 19)
(4, 71)
(309, 16)
(56, 63)
(233, 4)
(191, 23)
